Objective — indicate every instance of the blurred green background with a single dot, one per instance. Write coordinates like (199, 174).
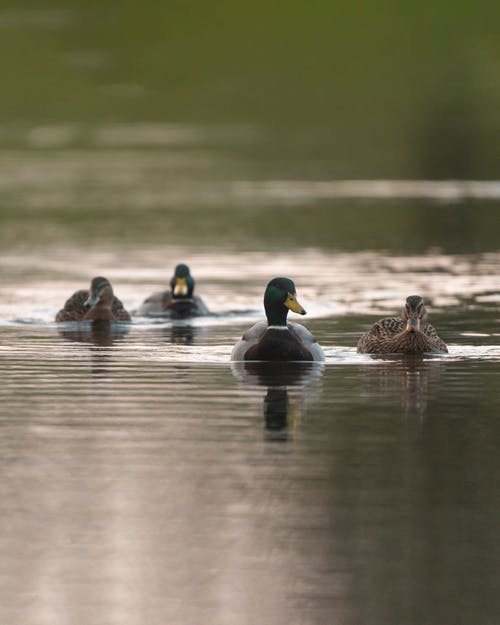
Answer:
(222, 92)
(379, 89)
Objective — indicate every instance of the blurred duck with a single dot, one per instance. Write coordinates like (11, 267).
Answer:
(275, 339)
(98, 303)
(179, 302)
(410, 334)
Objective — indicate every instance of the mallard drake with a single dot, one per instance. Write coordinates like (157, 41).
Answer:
(97, 303)
(409, 334)
(178, 302)
(275, 339)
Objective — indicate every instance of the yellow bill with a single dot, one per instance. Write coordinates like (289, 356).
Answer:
(292, 303)
(181, 287)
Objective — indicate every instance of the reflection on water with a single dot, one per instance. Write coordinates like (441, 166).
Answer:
(147, 483)
(276, 409)
(181, 334)
(291, 387)
(285, 374)
(101, 333)
(98, 334)
(406, 378)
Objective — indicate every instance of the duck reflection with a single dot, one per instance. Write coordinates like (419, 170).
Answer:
(276, 409)
(291, 387)
(98, 333)
(180, 334)
(101, 333)
(408, 377)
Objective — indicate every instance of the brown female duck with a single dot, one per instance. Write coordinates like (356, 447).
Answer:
(98, 303)
(410, 334)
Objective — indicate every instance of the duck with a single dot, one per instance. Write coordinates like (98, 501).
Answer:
(408, 334)
(275, 339)
(96, 303)
(178, 302)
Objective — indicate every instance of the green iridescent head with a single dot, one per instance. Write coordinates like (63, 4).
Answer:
(280, 296)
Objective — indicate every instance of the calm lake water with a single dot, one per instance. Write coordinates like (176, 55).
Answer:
(144, 478)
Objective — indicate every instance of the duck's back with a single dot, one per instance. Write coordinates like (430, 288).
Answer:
(278, 344)
(308, 339)
(75, 309)
(431, 332)
(162, 303)
(156, 303)
(119, 311)
(380, 331)
(250, 337)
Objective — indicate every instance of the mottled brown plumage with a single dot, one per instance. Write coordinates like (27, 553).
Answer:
(98, 303)
(410, 334)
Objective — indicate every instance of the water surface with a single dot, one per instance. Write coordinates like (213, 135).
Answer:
(146, 479)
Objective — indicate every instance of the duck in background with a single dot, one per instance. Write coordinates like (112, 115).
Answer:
(97, 303)
(179, 302)
(408, 334)
(276, 339)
